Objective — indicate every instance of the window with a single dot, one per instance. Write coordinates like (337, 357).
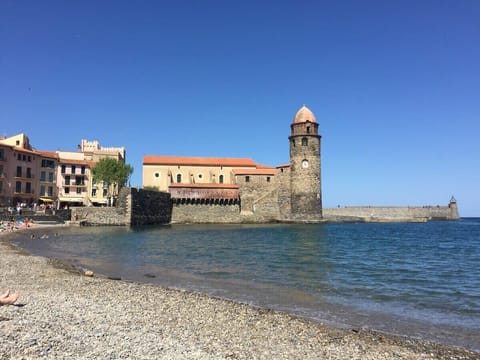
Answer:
(200, 176)
(18, 186)
(308, 129)
(83, 170)
(179, 178)
(50, 191)
(48, 163)
(29, 158)
(63, 169)
(50, 176)
(43, 176)
(79, 180)
(105, 192)
(157, 175)
(247, 178)
(29, 173)
(67, 190)
(268, 178)
(19, 157)
(220, 179)
(2, 155)
(1, 186)
(28, 187)
(17, 143)
(79, 190)
(19, 171)
(304, 141)
(67, 180)
(1, 170)
(42, 190)
(74, 169)
(94, 192)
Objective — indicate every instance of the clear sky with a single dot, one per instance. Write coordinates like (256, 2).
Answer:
(395, 86)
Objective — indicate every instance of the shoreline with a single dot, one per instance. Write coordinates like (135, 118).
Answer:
(62, 313)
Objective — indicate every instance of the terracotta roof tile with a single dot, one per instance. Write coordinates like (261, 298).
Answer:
(270, 171)
(50, 154)
(198, 161)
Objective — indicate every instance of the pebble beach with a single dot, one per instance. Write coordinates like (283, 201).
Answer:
(63, 314)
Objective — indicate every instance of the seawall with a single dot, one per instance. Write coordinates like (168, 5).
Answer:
(391, 213)
(137, 207)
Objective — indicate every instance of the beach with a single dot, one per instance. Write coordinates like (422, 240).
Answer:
(62, 313)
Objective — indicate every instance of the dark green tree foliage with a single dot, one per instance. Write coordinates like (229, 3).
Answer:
(112, 172)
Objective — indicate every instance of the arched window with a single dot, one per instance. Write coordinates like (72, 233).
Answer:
(220, 179)
(304, 141)
(179, 178)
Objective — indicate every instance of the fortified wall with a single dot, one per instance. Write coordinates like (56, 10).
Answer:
(259, 205)
(134, 207)
(392, 213)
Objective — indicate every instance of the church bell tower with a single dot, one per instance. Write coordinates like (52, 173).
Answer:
(305, 169)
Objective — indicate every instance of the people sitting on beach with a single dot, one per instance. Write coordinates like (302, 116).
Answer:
(8, 299)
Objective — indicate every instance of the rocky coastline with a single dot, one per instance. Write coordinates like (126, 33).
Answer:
(63, 314)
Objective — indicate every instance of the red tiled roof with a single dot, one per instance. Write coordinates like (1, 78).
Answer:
(261, 166)
(270, 171)
(204, 186)
(28, 151)
(50, 154)
(199, 161)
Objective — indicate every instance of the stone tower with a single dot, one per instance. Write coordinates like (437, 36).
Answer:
(305, 170)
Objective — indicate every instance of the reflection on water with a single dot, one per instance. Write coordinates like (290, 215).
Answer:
(416, 279)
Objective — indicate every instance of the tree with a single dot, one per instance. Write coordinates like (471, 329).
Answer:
(114, 173)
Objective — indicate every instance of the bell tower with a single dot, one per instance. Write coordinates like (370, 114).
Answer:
(305, 169)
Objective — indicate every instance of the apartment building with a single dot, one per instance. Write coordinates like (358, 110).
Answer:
(57, 178)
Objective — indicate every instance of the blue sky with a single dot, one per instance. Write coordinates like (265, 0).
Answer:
(395, 86)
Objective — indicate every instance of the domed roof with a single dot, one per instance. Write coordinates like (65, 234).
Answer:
(304, 115)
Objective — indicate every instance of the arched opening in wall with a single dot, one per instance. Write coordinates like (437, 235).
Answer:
(292, 142)
(304, 141)
(179, 178)
(220, 179)
(308, 129)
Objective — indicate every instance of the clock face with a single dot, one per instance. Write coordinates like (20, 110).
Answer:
(304, 164)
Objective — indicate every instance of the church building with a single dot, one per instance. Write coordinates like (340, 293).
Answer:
(206, 189)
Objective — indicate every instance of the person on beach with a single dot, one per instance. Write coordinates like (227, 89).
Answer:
(8, 299)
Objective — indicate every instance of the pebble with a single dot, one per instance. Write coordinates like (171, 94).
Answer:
(66, 315)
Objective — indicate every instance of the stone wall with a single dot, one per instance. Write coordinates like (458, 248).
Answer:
(391, 213)
(259, 198)
(134, 207)
(261, 203)
(148, 207)
(201, 213)
(99, 216)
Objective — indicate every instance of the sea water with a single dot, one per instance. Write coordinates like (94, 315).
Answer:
(415, 279)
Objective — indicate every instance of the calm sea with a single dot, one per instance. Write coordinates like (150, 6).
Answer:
(420, 280)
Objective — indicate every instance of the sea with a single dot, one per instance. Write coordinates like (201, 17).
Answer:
(419, 280)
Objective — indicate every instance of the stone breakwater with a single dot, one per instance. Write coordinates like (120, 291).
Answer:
(63, 314)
